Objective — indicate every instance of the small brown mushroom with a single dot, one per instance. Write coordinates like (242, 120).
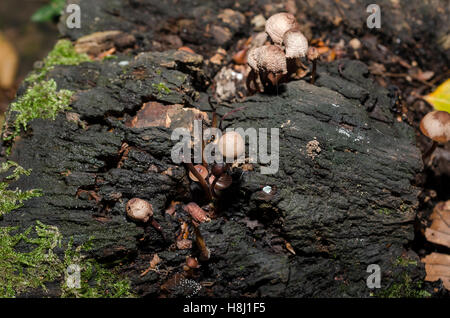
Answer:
(223, 182)
(192, 262)
(201, 169)
(218, 169)
(436, 126)
(139, 210)
(278, 24)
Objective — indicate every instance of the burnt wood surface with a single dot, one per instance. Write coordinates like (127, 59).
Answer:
(350, 205)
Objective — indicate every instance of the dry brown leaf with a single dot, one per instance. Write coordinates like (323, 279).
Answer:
(437, 266)
(153, 263)
(438, 271)
(290, 248)
(186, 49)
(154, 114)
(8, 63)
(439, 230)
(99, 42)
(171, 209)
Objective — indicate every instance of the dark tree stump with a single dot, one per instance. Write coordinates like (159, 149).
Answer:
(351, 204)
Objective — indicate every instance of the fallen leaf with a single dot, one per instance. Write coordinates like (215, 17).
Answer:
(153, 263)
(437, 266)
(290, 248)
(97, 43)
(8, 63)
(154, 114)
(186, 49)
(440, 98)
(439, 230)
(425, 76)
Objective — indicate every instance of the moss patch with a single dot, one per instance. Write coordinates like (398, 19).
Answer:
(39, 264)
(404, 262)
(13, 199)
(405, 289)
(29, 259)
(42, 100)
(62, 54)
(162, 88)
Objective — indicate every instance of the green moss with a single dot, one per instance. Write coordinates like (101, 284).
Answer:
(405, 262)
(385, 211)
(24, 270)
(62, 54)
(162, 88)
(42, 100)
(39, 264)
(13, 199)
(96, 281)
(405, 289)
(28, 259)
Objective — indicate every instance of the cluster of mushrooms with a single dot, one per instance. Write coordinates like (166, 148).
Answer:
(436, 126)
(272, 63)
(214, 179)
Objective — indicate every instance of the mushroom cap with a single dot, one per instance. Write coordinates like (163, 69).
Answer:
(223, 182)
(273, 59)
(218, 169)
(253, 58)
(201, 169)
(184, 244)
(270, 58)
(278, 24)
(231, 145)
(296, 43)
(139, 210)
(436, 126)
(313, 53)
(192, 262)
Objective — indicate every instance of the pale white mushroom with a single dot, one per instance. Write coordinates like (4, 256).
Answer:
(231, 145)
(139, 210)
(278, 24)
(269, 58)
(436, 126)
(296, 43)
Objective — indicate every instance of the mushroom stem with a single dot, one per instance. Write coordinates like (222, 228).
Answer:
(203, 156)
(205, 253)
(213, 185)
(229, 113)
(157, 227)
(313, 55)
(313, 72)
(429, 152)
(252, 77)
(201, 180)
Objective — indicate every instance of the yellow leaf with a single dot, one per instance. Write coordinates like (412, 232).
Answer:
(440, 98)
